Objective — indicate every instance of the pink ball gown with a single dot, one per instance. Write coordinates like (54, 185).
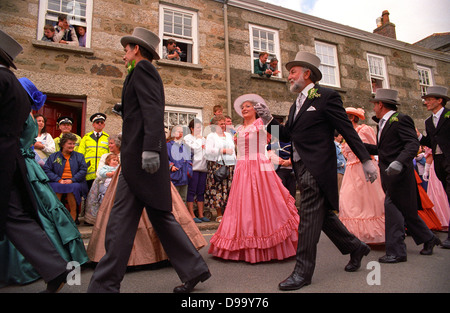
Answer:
(261, 220)
(361, 203)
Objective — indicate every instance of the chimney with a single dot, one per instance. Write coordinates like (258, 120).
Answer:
(384, 26)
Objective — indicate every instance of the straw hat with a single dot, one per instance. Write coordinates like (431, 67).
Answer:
(144, 38)
(308, 60)
(356, 111)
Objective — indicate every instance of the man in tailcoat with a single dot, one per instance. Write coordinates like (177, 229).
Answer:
(19, 219)
(312, 120)
(144, 180)
(396, 147)
(437, 127)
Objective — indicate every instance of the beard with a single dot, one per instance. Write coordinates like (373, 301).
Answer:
(297, 85)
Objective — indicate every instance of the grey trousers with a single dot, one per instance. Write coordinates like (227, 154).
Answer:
(120, 233)
(315, 216)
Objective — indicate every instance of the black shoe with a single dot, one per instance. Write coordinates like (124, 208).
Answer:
(355, 258)
(57, 283)
(190, 285)
(428, 246)
(293, 282)
(446, 244)
(392, 259)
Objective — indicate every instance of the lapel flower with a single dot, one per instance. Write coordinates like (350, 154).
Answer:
(393, 118)
(312, 93)
(447, 115)
(131, 66)
(58, 160)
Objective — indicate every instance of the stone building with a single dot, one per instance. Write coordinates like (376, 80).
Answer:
(220, 39)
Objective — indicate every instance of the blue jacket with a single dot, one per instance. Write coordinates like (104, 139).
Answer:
(54, 167)
(180, 157)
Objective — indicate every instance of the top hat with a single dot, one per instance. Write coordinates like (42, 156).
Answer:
(97, 116)
(389, 96)
(9, 48)
(244, 98)
(308, 60)
(144, 38)
(36, 96)
(356, 111)
(437, 92)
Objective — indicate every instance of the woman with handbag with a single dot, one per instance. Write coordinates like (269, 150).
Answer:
(261, 219)
(221, 158)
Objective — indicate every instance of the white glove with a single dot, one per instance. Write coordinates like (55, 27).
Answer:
(150, 161)
(370, 170)
(263, 112)
(394, 168)
(426, 172)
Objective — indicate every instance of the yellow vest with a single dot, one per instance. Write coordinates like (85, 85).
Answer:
(93, 151)
(58, 139)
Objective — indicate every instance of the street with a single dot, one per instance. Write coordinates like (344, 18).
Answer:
(420, 274)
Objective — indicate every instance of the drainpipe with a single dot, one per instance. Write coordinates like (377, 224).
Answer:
(227, 57)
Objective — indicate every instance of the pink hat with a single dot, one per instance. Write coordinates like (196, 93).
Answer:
(356, 111)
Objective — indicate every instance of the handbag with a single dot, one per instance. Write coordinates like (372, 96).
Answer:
(221, 173)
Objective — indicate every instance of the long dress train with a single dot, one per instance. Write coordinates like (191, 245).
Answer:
(147, 248)
(56, 220)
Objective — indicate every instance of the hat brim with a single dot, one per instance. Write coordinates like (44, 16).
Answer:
(134, 40)
(314, 69)
(244, 98)
(7, 58)
(355, 112)
(436, 95)
(389, 101)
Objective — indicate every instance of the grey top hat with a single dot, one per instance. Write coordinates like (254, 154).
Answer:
(386, 95)
(9, 48)
(144, 38)
(437, 92)
(308, 60)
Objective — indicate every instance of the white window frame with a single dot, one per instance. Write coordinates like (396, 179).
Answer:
(192, 40)
(326, 65)
(43, 8)
(422, 71)
(380, 77)
(179, 110)
(275, 53)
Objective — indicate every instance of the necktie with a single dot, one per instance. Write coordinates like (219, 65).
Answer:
(380, 128)
(299, 104)
(435, 120)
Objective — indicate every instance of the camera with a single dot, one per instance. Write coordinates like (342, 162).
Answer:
(117, 109)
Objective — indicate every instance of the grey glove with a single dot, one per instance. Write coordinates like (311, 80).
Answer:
(394, 168)
(263, 112)
(370, 170)
(150, 161)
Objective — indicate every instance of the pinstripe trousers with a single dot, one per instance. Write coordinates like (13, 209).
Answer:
(316, 215)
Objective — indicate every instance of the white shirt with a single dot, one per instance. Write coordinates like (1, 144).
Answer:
(197, 147)
(385, 118)
(302, 96)
(437, 116)
(214, 146)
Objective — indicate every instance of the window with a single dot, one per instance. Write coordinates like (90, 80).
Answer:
(179, 116)
(180, 25)
(264, 40)
(377, 71)
(79, 13)
(425, 79)
(328, 63)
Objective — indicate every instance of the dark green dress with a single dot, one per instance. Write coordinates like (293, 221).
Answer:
(56, 220)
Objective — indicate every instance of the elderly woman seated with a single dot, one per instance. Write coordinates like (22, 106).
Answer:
(66, 170)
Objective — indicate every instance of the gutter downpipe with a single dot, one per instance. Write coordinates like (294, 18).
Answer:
(227, 57)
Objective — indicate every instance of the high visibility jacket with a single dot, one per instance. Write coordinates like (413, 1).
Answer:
(58, 139)
(93, 149)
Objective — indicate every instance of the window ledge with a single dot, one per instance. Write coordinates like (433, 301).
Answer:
(264, 77)
(180, 64)
(61, 47)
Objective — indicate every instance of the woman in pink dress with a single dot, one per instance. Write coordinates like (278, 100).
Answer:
(261, 220)
(361, 203)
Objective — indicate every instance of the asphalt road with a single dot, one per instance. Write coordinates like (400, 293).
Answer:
(420, 274)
